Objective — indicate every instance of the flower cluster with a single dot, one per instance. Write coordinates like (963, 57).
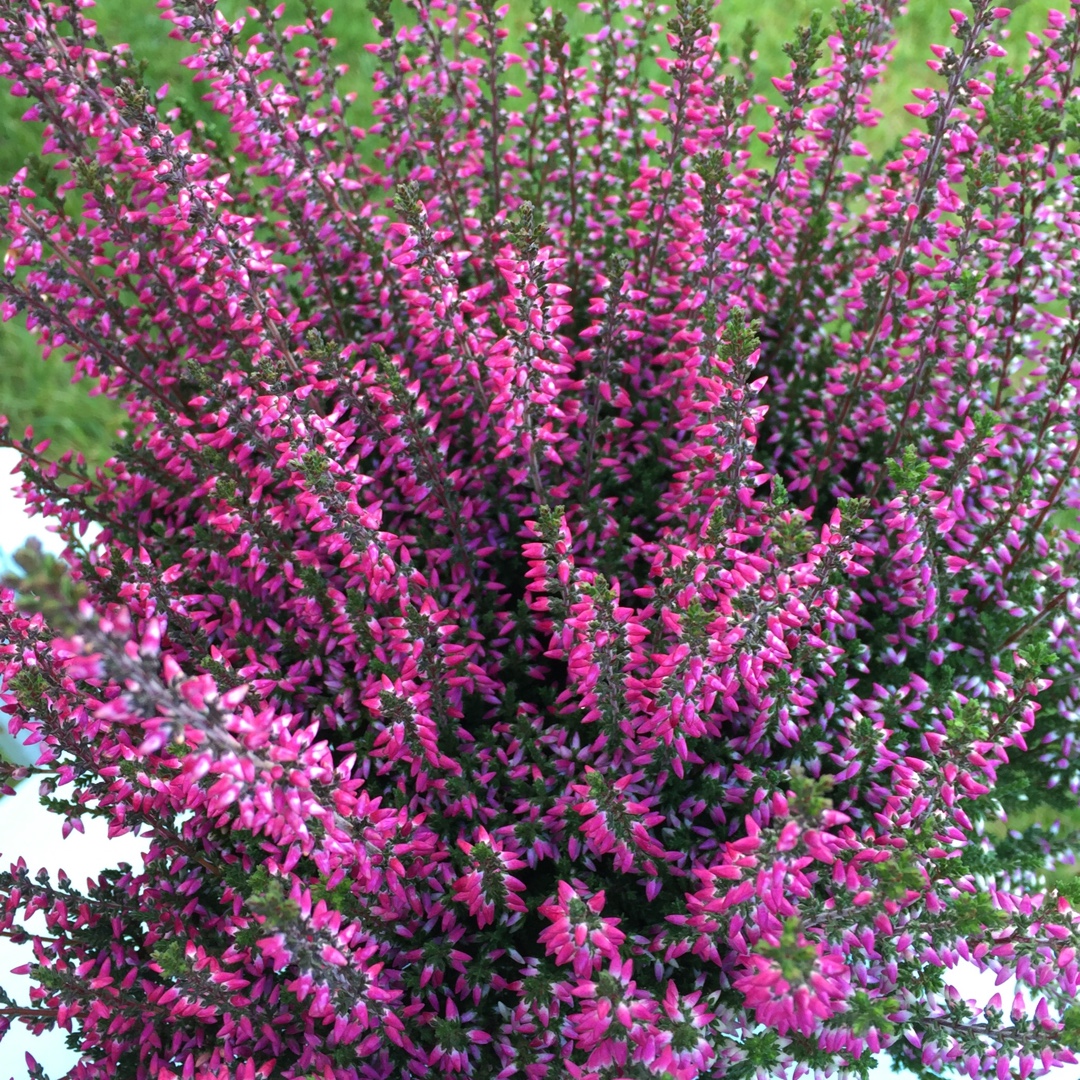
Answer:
(587, 558)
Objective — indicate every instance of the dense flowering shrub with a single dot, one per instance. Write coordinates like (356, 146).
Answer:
(572, 591)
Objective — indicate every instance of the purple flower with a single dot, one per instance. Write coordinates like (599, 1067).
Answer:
(574, 588)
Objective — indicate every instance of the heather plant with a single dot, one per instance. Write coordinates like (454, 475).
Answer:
(570, 598)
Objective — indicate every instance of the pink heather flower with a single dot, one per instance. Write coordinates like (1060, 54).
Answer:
(578, 934)
(798, 1005)
(571, 582)
(490, 885)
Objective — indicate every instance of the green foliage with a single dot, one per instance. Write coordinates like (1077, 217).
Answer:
(868, 1013)
(741, 338)
(171, 958)
(272, 903)
(811, 795)
(1019, 122)
(804, 51)
(909, 472)
(796, 962)
(762, 1056)
(45, 586)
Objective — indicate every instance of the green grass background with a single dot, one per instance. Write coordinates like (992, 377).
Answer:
(37, 393)
(40, 394)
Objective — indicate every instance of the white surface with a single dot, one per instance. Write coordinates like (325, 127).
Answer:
(16, 527)
(15, 524)
(29, 830)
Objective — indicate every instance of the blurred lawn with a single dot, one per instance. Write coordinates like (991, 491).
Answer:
(32, 392)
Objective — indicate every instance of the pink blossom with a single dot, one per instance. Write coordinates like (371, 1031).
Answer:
(573, 583)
